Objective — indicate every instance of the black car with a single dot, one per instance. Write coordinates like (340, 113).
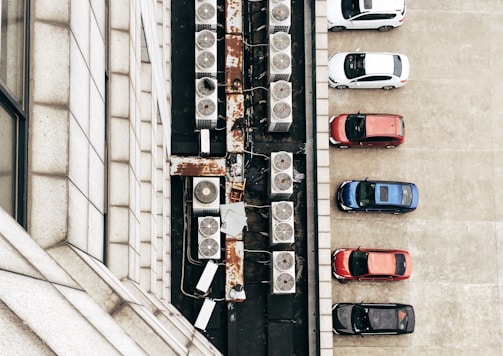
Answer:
(372, 319)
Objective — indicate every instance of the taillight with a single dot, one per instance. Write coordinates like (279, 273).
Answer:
(403, 81)
(402, 20)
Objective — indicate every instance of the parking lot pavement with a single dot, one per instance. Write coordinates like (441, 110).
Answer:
(454, 153)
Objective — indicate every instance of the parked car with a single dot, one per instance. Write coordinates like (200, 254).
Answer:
(368, 70)
(382, 15)
(367, 130)
(377, 196)
(371, 264)
(373, 319)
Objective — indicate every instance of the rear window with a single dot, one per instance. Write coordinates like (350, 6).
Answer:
(401, 265)
(401, 127)
(397, 67)
(406, 195)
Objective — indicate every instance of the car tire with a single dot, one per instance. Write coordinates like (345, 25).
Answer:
(341, 87)
(342, 281)
(337, 28)
(388, 87)
(343, 147)
(389, 146)
(384, 28)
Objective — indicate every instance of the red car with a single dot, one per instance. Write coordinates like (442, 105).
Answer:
(367, 130)
(371, 264)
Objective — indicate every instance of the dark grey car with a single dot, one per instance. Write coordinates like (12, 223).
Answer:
(372, 319)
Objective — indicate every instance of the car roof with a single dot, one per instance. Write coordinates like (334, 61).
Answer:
(381, 263)
(382, 5)
(379, 63)
(382, 125)
(388, 194)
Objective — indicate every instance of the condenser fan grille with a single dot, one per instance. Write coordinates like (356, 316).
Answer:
(282, 211)
(205, 59)
(205, 39)
(205, 192)
(206, 107)
(282, 181)
(280, 41)
(282, 110)
(281, 61)
(205, 11)
(284, 261)
(283, 231)
(280, 12)
(208, 226)
(281, 89)
(284, 282)
(205, 86)
(282, 161)
(208, 247)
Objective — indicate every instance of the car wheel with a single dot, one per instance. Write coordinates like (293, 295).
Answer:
(384, 28)
(390, 146)
(341, 87)
(342, 281)
(343, 146)
(388, 87)
(337, 28)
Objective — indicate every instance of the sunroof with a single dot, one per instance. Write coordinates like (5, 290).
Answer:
(383, 192)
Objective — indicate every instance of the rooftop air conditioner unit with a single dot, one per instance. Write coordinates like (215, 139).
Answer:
(279, 16)
(283, 272)
(280, 106)
(206, 54)
(208, 237)
(205, 195)
(280, 56)
(206, 15)
(281, 223)
(281, 179)
(206, 103)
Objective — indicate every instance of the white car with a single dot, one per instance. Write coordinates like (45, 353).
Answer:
(382, 15)
(371, 70)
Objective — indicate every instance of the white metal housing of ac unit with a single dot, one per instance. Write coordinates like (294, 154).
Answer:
(280, 17)
(206, 54)
(282, 223)
(280, 56)
(206, 103)
(206, 15)
(205, 195)
(208, 237)
(281, 177)
(283, 272)
(280, 106)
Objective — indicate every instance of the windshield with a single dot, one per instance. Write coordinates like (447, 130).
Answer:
(360, 319)
(355, 127)
(358, 263)
(402, 319)
(354, 65)
(406, 195)
(350, 8)
(397, 65)
(365, 194)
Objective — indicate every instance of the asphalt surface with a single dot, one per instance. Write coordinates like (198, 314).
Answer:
(454, 153)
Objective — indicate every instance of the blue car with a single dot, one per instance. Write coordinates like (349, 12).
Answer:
(377, 196)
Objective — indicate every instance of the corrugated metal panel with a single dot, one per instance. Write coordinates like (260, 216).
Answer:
(234, 123)
(233, 63)
(197, 166)
(233, 16)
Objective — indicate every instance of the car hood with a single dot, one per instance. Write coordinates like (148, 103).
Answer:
(348, 194)
(338, 129)
(336, 67)
(342, 318)
(334, 12)
(341, 263)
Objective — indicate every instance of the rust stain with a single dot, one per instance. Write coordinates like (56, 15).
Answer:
(234, 122)
(233, 16)
(197, 166)
(233, 63)
(234, 259)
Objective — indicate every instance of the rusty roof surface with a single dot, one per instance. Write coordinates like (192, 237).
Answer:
(233, 63)
(234, 123)
(234, 261)
(196, 166)
(233, 16)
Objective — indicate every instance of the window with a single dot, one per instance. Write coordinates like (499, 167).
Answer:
(374, 78)
(358, 263)
(354, 65)
(355, 127)
(13, 121)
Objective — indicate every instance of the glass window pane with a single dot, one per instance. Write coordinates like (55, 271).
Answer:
(12, 23)
(7, 161)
